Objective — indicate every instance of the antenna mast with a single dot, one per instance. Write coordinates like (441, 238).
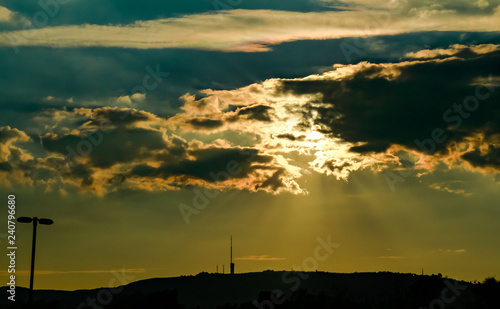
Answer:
(232, 264)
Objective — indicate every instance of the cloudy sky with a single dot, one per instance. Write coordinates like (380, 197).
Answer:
(152, 131)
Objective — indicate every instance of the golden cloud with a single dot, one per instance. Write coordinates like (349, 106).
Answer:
(248, 30)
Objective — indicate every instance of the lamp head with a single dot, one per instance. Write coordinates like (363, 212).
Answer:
(45, 221)
(24, 219)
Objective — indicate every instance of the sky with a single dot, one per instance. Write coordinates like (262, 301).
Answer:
(152, 131)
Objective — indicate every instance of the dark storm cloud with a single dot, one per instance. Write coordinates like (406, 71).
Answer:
(52, 167)
(274, 182)
(291, 137)
(212, 165)
(82, 174)
(88, 75)
(106, 149)
(205, 123)
(489, 159)
(139, 158)
(117, 117)
(370, 148)
(366, 107)
(382, 111)
(8, 134)
(256, 112)
(6, 167)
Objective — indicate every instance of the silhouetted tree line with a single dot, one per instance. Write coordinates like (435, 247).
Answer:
(421, 294)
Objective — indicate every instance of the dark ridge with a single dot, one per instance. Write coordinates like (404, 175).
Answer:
(275, 289)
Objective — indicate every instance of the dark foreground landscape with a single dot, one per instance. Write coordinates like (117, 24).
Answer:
(270, 289)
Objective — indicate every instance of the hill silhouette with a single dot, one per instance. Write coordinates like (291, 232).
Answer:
(275, 289)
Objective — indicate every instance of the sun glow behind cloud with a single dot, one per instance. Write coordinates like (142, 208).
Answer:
(297, 126)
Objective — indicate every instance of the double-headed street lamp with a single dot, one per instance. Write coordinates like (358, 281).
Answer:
(35, 221)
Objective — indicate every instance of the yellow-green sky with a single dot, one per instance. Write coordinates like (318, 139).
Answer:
(405, 231)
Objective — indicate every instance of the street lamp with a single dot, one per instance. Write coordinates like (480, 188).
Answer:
(35, 221)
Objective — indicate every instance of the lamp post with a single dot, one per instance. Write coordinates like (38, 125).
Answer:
(35, 221)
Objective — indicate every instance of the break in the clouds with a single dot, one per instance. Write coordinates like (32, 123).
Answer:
(442, 109)
(367, 115)
(432, 108)
(255, 30)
